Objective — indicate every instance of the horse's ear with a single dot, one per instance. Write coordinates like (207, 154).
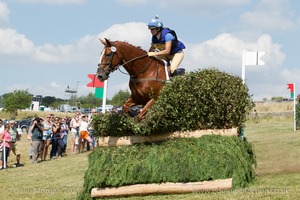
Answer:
(103, 41)
(108, 43)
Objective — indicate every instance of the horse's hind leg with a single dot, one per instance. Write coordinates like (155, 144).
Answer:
(128, 104)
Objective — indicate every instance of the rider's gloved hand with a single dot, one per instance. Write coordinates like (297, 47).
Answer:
(150, 54)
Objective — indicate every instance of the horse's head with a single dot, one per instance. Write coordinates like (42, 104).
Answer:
(109, 60)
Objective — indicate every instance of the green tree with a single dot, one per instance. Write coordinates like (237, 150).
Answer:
(89, 101)
(16, 100)
(119, 98)
(278, 99)
(48, 101)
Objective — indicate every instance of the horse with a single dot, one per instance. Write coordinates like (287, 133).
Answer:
(147, 74)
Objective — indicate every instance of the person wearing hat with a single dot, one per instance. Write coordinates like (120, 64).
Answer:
(13, 144)
(165, 44)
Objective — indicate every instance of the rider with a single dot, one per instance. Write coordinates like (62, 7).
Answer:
(165, 44)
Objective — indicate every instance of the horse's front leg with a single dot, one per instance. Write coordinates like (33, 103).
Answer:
(128, 104)
(144, 110)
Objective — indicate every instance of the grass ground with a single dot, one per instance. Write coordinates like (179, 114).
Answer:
(276, 144)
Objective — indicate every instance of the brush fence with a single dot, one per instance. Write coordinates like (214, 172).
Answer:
(164, 188)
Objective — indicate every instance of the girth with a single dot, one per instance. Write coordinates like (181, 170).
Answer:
(139, 80)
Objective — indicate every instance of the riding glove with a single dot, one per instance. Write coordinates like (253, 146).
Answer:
(150, 54)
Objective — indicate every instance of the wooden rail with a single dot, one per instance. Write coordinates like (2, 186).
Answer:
(129, 140)
(163, 188)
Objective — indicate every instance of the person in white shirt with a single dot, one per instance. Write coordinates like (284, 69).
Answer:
(84, 135)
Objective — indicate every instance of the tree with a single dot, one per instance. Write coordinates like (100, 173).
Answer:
(119, 98)
(16, 100)
(89, 101)
(48, 101)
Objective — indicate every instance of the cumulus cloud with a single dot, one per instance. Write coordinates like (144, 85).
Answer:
(225, 52)
(54, 1)
(133, 32)
(4, 13)
(270, 15)
(14, 43)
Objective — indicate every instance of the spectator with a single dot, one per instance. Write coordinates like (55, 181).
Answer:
(74, 125)
(56, 130)
(84, 135)
(13, 144)
(91, 129)
(36, 136)
(1, 126)
(5, 136)
(65, 131)
(47, 125)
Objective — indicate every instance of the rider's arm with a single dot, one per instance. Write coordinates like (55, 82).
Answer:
(168, 45)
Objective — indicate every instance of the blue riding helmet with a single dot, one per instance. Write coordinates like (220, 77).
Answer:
(155, 23)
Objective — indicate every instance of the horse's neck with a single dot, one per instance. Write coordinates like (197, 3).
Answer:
(134, 60)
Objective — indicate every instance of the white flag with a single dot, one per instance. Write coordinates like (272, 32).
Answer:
(253, 58)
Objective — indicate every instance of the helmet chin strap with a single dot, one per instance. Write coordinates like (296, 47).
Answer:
(158, 33)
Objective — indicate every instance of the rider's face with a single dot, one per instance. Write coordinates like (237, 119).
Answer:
(154, 31)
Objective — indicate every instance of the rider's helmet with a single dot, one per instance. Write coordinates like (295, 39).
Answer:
(155, 23)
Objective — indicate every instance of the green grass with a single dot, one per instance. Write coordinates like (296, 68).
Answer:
(276, 144)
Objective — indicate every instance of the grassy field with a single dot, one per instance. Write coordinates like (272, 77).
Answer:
(277, 148)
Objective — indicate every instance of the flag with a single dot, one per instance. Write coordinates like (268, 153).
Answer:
(95, 82)
(291, 87)
(98, 85)
(99, 92)
(253, 57)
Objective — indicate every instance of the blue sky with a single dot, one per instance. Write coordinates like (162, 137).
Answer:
(47, 45)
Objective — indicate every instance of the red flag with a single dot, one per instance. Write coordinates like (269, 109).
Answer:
(291, 87)
(95, 82)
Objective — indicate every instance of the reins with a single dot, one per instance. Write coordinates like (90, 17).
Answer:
(136, 58)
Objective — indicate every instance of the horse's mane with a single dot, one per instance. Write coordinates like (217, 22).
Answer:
(128, 44)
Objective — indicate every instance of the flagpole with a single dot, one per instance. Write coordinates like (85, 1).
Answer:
(104, 97)
(243, 66)
(295, 125)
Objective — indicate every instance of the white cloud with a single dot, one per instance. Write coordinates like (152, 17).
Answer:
(133, 32)
(270, 15)
(87, 48)
(13, 43)
(225, 52)
(54, 1)
(4, 13)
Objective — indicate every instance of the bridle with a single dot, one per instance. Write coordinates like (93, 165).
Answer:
(110, 68)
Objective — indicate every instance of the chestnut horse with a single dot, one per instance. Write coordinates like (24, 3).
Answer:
(147, 74)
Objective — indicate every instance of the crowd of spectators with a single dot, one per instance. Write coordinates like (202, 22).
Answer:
(48, 137)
